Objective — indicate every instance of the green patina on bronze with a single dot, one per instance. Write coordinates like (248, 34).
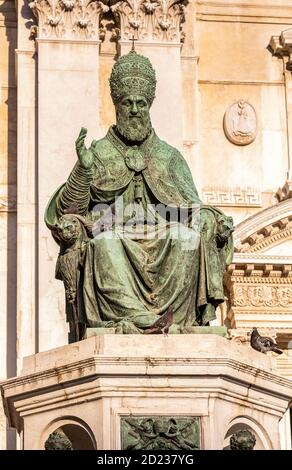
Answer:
(160, 433)
(58, 440)
(114, 275)
(243, 439)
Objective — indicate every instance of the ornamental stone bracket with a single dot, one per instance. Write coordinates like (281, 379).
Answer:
(68, 19)
(151, 20)
(281, 46)
(285, 192)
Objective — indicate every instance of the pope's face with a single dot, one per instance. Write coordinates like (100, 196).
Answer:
(133, 119)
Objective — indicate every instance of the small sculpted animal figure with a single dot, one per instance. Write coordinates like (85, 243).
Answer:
(224, 228)
(73, 233)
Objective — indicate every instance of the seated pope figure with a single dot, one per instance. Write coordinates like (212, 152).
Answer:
(135, 239)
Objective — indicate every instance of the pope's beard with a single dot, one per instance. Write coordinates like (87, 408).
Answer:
(134, 128)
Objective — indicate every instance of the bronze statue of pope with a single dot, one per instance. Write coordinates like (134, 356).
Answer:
(135, 239)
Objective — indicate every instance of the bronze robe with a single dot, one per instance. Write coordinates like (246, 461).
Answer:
(130, 279)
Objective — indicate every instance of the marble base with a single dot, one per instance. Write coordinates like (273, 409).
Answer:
(88, 388)
(196, 330)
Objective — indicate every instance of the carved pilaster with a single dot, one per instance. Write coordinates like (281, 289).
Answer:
(281, 47)
(151, 20)
(68, 19)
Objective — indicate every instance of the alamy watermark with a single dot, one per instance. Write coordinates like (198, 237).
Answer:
(147, 221)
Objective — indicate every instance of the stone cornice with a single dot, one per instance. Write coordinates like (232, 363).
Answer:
(266, 237)
(256, 11)
(93, 376)
(264, 228)
(115, 365)
(67, 19)
(150, 20)
(281, 46)
(261, 268)
(261, 258)
(101, 366)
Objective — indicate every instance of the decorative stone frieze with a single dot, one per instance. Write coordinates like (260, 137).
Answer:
(68, 19)
(151, 20)
(244, 197)
(263, 296)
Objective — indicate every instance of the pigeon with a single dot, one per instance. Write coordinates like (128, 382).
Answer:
(162, 324)
(263, 343)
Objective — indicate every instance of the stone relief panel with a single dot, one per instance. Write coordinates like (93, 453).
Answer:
(160, 433)
(151, 20)
(263, 296)
(68, 19)
(259, 281)
(240, 123)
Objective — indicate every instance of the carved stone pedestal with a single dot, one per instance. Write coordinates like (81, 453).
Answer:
(132, 391)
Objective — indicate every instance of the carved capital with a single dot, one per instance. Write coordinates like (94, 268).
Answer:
(68, 19)
(151, 20)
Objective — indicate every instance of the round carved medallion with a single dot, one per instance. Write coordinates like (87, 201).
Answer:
(135, 160)
(240, 123)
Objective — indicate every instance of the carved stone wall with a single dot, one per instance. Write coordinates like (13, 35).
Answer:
(146, 20)
(259, 281)
(260, 294)
(8, 200)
